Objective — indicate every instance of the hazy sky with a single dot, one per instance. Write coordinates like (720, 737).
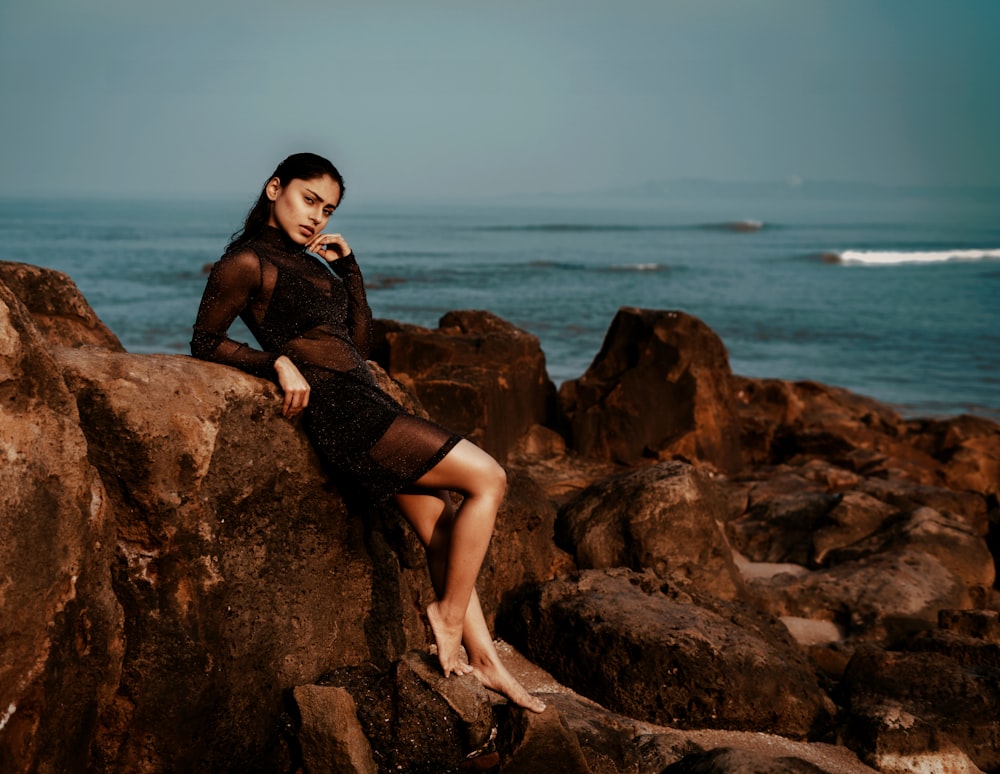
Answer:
(466, 98)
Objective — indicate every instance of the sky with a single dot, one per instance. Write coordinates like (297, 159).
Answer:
(462, 98)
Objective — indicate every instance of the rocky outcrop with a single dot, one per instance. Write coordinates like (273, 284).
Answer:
(716, 664)
(476, 373)
(58, 309)
(931, 702)
(181, 587)
(664, 518)
(61, 633)
(659, 388)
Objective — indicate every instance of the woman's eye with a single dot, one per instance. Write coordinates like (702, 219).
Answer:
(309, 200)
(328, 213)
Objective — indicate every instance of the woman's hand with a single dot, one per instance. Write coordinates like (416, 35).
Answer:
(329, 246)
(294, 385)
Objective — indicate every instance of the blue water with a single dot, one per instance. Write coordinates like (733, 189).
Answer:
(921, 336)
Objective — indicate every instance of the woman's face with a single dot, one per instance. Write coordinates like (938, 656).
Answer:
(303, 207)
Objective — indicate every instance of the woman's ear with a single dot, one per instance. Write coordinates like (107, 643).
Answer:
(273, 188)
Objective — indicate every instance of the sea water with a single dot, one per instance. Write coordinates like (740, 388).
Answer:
(891, 293)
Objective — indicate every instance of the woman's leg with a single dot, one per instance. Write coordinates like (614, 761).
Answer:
(432, 517)
(469, 470)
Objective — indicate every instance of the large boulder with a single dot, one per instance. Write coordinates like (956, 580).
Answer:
(660, 388)
(418, 720)
(967, 449)
(665, 518)
(932, 703)
(240, 571)
(640, 646)
(476, 373)
(892, 581)
(60, 625)
(57, 307)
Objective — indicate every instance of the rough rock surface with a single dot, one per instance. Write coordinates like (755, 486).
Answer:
(476, 374)
(716, 664)
(418, 720)
(662, 518)
(60, 625)
(659, 388)
(57, 307)
(933, 697)
(173, 563)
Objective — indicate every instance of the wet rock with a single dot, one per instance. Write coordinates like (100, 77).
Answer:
(662, 518)
(660, 388)
(643, 648)
(477, 374)
(57, 307)
(330, 735)
(61, 632)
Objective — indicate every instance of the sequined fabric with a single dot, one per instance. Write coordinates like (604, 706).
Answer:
(296, 306)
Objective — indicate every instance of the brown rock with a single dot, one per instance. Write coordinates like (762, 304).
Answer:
(546, 744)
(418, 720)
(331, 736)
(893, 581)
(660, 387)
(922, 712)
(661, 518)
(241, 574)
(640, 648)
(476, 374)
(60, 626)
(729, 760)
(968, 447)
(57, 307)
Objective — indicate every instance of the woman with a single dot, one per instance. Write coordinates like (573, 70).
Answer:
(314, 327)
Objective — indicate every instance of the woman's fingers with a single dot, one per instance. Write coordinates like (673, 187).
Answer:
(330, 246)
(293, 385)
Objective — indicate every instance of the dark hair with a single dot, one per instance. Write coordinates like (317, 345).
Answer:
(298, 166)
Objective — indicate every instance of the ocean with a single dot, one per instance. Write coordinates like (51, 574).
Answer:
(893, 293)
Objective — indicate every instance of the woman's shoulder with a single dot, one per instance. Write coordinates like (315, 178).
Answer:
(239, 260)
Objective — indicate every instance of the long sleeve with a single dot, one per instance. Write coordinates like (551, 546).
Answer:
(359, 314)
(231, 287)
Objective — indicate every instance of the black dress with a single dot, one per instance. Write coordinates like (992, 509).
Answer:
(320, 319)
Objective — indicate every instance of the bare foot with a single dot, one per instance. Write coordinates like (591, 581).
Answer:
(496, 677)
(449, 642)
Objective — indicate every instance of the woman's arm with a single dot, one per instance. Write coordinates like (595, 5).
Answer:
(336, 251)
(231, 286)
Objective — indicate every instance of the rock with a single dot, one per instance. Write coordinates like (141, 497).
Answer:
(331, 736)
(637, 646)
(967, 447)
(60, 626)
(57, 307)
(546, 745)
(476, 374)
(922, 711)
(660, 388)
(894, 581)
(793, 422)
(729, 760)
(418, 720)
(240, 571)
(661, 518)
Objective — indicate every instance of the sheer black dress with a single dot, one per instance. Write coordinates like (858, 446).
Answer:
(317, 315)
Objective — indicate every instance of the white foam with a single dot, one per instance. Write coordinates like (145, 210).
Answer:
(888, 258)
